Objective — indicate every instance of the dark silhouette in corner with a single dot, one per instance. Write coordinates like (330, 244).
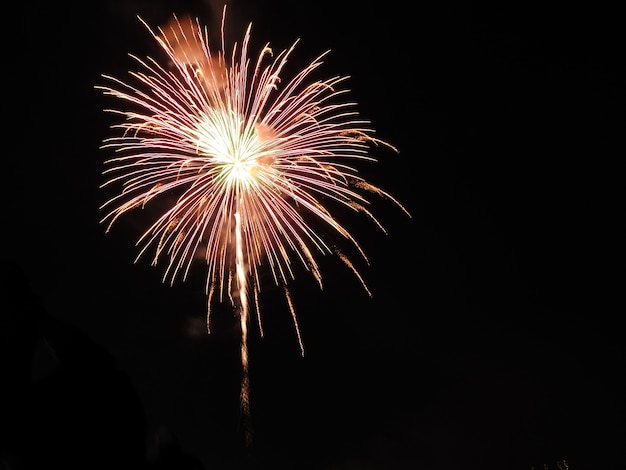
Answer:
(64, 404)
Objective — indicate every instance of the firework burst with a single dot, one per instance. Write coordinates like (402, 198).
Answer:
(252, 159)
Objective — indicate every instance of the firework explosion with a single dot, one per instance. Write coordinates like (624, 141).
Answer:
(253, 161)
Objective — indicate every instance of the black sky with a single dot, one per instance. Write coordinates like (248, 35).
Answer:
(493, 339)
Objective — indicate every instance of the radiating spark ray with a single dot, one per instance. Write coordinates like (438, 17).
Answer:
(209, 299)
(295, 320)
(258, 312)
(348, 263)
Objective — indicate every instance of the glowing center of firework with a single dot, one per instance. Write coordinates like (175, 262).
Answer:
(233, 145)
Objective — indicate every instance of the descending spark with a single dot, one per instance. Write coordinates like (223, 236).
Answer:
(251, 160)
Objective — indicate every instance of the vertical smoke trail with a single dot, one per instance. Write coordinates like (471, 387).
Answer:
(242, 288)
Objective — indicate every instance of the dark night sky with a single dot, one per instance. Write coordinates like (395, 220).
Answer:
(494, 338)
